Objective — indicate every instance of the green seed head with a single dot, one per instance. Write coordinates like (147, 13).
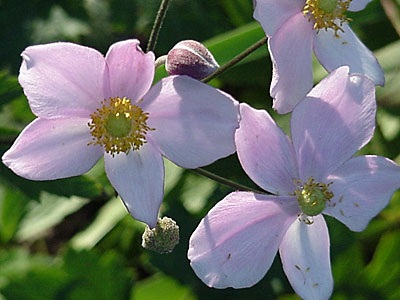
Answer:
(118, 125)
(312, 197)
(328, 6)
(163, 238)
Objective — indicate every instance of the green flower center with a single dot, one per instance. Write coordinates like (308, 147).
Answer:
(312, 197)
(328, 6)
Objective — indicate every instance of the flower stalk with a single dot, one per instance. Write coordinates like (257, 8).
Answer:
(157, 25)
(236, 59)
(227, 182)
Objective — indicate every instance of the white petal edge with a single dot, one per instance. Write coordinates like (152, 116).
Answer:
(357, 5)
(333, 123)
(194, 123)
(235, 244)
(63, 79)
(272, 14)
(131, 70)
(291, 54)
(347, 50)
(265, 152)
(362, 186)
(138, 177)
(53, 149)
(305, 257)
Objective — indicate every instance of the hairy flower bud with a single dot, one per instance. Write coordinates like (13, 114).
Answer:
(190, 58)
(163, 238)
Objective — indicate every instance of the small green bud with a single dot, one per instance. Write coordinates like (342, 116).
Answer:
(163, 238)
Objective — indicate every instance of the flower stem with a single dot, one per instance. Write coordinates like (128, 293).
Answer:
(160, 61)
(236, 59)
(157, 25)
(226, 182)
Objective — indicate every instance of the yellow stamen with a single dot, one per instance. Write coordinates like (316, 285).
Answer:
(119, 126)
(327, 14)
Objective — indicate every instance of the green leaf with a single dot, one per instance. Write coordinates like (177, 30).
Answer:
(195, 192)
(15, 263)
(384, 269)
(161, 287)
(78, 276)
(389, 124)
(227, 45)
(58, 26)
(12, 207)
(389, 58)
(44, 215)
(96, 277)
(9, 88)
(108, 217)
(29, 277)
(81, 186)
(42, 282)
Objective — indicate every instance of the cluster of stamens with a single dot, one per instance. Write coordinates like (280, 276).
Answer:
(327, 14)
(118, 126)
(312, 197)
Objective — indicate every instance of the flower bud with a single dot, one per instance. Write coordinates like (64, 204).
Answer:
(163, 238)
(190, 58)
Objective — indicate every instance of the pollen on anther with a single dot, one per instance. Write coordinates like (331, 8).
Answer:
(325, 19)
(118, 126)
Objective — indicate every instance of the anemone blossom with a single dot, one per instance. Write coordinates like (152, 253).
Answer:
(89, 106)
(297, 27)
(311, 174)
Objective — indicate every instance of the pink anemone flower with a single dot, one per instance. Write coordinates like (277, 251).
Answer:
(310, 175)
(295, 28)
(89, 106)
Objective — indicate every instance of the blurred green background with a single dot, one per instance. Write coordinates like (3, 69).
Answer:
(72, 239)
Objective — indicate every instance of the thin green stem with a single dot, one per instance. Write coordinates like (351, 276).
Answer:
(236, 59)
(157, 25)
(226, 182)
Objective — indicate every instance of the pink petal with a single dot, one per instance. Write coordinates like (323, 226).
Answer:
(235, 244)
(52, 149)
(131, 71)
(333, 122)
(291, 53)
(265, 151)
(194, 122)
(272, 14)
(138, 177)
(63, 79)
(347, 49)
(357, 5)
(305, 257)
(362, 187)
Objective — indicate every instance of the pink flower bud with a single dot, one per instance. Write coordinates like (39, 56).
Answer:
(190, 58)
